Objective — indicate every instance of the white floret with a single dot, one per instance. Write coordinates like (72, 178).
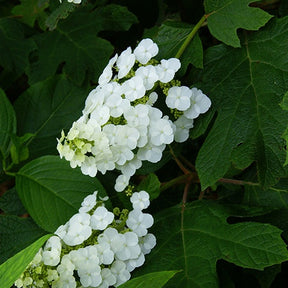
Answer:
(133, 88)
(183, 125)
(139, 222)
(108, 279)
(101, 218)
(145, 50)
(119, 270)
(199, 103)
(88, 203)
(122, 182)
(125, 62)
(140, 200)
(179, 98)
(148, 75)
(167, 68)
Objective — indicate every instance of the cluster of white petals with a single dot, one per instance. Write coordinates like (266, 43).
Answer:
(95, 248)
(72, 1)
(121, 126)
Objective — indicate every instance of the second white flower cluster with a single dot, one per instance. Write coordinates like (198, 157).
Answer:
(102, 256)
(120, 126)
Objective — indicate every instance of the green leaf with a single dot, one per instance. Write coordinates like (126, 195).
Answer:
(246, 86)
(61, 12)
(170, 36)
(7, 124)
(45, 109)
(75, 44)
(194, 239)
(267, 277)
(52, 191)
(284, 106)
(11, 270)
(19, 150)
(11, 204)
(155, 280)
(274, 197)
(16, 234)
(31, 10)
(150, 184)
(226, 16)
(14, 47)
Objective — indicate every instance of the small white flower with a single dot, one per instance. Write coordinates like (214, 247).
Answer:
(122, 182)
(119, 270)
(140, 200)
(151, 153)
(101, 218)
(125, 62)
(107, 73)
(200, 103)
(137, 115)
(152, 99)
(161, 132)
(108, 279)
(105, 254)
(179, 98)
(131, 249)
(65, 282)
(74, 1)
(148, 75)
(133, 88)
(147, 243)
(78, 229)
(89, 167)
(130, 167)
(113, 238)
(145, 50)
(182, 125)
(52, 275)
(138, 222)
(51, 257)
(66, 267)
(134, 263)
(167, 69)
(88, 203)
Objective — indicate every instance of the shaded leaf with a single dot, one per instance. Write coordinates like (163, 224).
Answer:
(194, 240)
(267, 276)
(31, 10)
(14, 47)
(19, 150)
(45, 109)
(16, 234)
(274, 197)
(11, 270)
(11, 204)
(52, 191)
(155, 280)
(75, 44)
(61, 12)
(7, 124)
(151, 184)
(170, 36)
(246, 86)
(226, 16)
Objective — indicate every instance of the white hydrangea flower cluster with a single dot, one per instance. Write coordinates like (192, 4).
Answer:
(120, 126)
(72, 1)
(95, 248)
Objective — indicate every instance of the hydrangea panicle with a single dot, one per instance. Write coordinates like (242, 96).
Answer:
(104, 257)
(119, 128)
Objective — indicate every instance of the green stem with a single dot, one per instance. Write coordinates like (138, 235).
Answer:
(238, 182)
(174, 181)
(190, 36)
